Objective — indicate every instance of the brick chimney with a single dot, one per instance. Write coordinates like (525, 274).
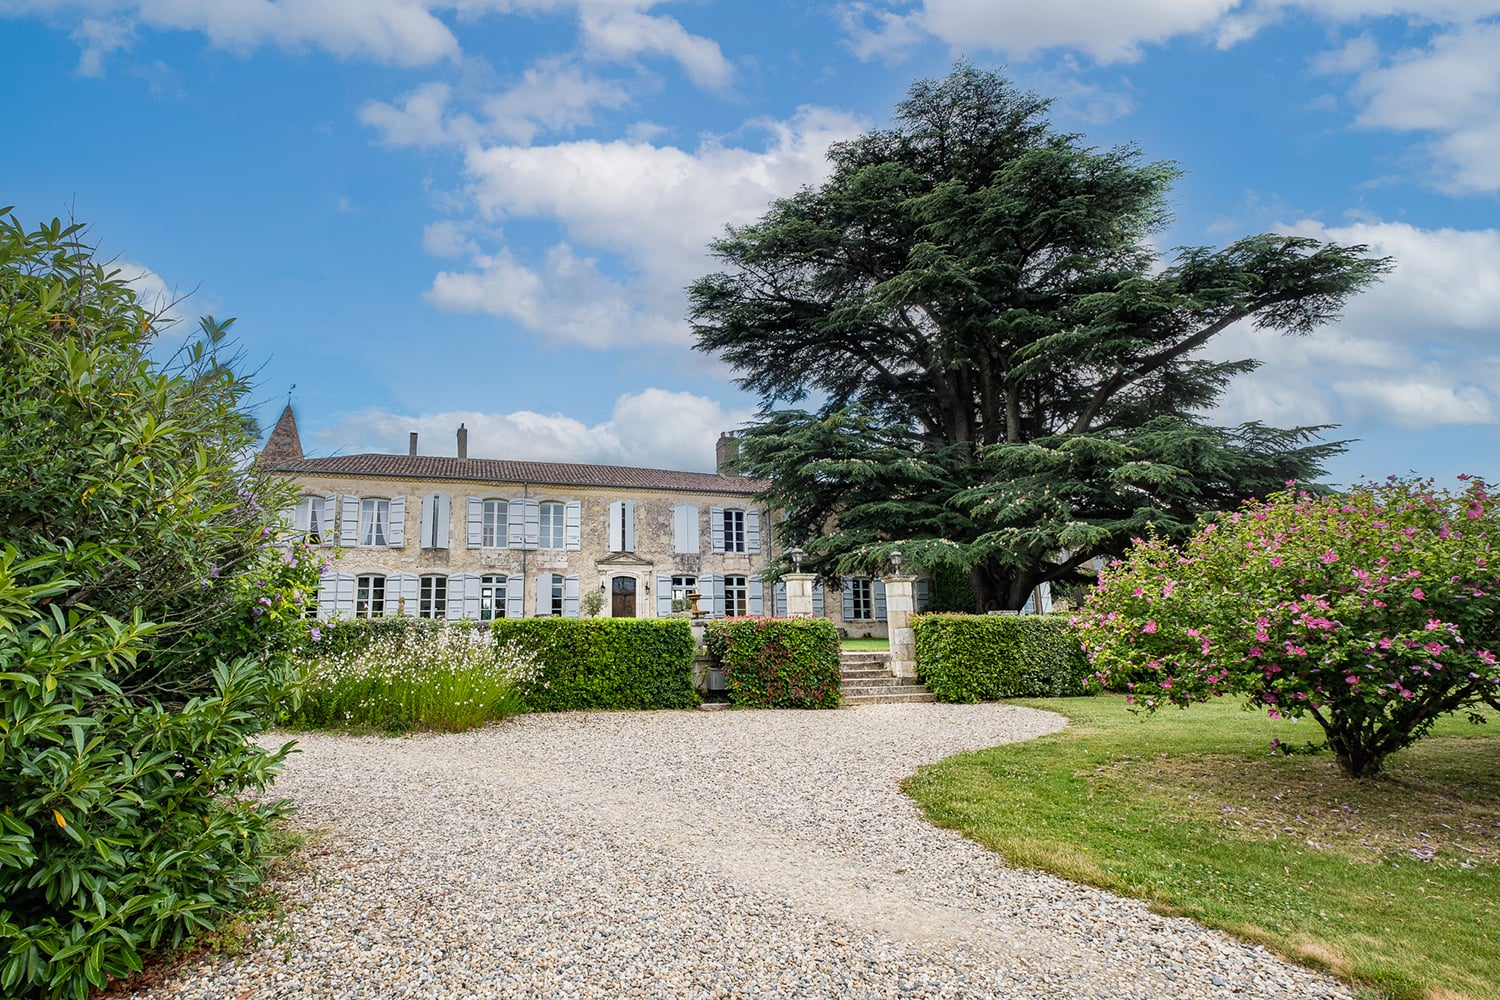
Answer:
(725, 452)
(463, 441)
(412, 448)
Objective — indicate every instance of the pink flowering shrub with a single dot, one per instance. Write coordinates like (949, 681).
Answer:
(1372, 613)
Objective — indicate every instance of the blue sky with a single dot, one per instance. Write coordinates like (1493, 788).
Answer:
(431, 211)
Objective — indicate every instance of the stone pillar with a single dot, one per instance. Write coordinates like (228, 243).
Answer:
(799, 594)
(900, 605)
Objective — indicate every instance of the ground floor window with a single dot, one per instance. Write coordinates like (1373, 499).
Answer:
(369, 596)
(863, 601)
(555, 605)
(491, 598)
(736, 597)
(681, 587)
(432, 599)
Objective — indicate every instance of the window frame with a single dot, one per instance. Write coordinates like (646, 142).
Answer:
(374, 522)
(542, 536)
(494, 519)
(432, 595)
(862, 591)
(736, 596)
(734, 537)
(557, 604)
(494, 588)
(302, 512)
(369, 595)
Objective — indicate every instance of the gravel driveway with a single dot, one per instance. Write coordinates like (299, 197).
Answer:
(693, 854)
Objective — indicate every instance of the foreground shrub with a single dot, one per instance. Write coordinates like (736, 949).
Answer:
(354, 635)
(969, 658)
(777, 662)
(1372, 613)
(584, 663)
(144, 626)
(449, 678)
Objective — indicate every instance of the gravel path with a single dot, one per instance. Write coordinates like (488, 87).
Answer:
(693, 854)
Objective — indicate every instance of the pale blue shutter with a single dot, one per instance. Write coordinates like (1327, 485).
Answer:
(848, 608)
(570, 596)
(714, 593)
(818, 598)
(427, 535)
(349, 523)
(924, 594)
(778, 599)
(329, 520)
(457, 587)
(663, 594)
(572, 526)
(336, 595)
(397, 534)
(752, 531)
(879, 589)
(685, 529)
(474, 522)
(515, 596)
(757, 596)
(543, 594)
(444, 516)
(617, 526)
(716, 529)
(531, 529)
(629, 526)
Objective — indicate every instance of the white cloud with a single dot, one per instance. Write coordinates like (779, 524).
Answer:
(99, 37)
(1415, 351)
(621, 34)
(555, 94)
(1449, 89)
(420, 119)
(652, 209)
(654, 428)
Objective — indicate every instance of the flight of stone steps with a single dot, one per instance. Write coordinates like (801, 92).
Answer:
(866, 679)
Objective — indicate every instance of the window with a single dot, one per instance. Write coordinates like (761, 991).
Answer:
(369, 596)
(551, 527)
(682, 586)
(374, 521)
(496, 525)
(308, 519)
(863, 600)
(734, 531)
(552, 590)
(736, 597)
(432, 600)
(492, 595)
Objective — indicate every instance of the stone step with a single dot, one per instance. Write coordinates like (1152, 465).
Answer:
(898, 694)
(865, 672)
(868, 680)
(864, 658)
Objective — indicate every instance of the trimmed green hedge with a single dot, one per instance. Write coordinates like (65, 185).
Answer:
(777, 662)
(968, 658)
(604, 662)
(353, 635)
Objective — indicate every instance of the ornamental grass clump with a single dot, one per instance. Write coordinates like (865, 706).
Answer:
(1372, 613)
(451, 679)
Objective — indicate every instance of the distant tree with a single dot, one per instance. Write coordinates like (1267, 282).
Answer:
(1004, 379)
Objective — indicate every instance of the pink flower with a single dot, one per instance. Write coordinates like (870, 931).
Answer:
(1418, 595)
(1328, 558)
(1150, 626)
(1276, 560)
(1351, 679)
(1434, 624)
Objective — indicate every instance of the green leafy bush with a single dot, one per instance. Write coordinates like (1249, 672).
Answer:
(135, 669)
(450, 678)
(343, 636)
(777, 662)
(584, 663)
(969, 658)
(1373, 613)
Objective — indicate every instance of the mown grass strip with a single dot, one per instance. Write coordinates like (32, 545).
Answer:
(1391, 883)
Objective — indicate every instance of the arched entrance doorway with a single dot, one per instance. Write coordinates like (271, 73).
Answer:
(622, 599)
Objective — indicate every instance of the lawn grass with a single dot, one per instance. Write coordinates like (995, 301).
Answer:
(865, 645)
(1392, 883)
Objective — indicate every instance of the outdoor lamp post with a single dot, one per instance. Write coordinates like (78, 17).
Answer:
(797, 556)
(896, 561)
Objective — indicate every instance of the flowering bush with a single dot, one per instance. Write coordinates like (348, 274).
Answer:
(1372, 613)
(777, 662)
(451, 679)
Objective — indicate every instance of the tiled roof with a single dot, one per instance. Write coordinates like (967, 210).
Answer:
(494, 470)
(283, 445)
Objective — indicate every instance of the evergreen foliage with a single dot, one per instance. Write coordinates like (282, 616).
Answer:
(145, 625)
(969, 658)
(777, 662)
(1007, 381)
(588, 663)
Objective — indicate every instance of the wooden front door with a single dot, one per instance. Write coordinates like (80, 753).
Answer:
(622, 602)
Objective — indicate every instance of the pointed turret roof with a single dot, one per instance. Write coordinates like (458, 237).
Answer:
(283, 445)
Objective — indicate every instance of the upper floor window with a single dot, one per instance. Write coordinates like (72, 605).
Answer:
(432, 597)
(308, 519)
(734, 530)
(369, 596)
(374, 522)
(551, 526)
(496, 524)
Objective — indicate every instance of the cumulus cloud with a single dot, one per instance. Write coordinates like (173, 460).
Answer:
(554, 95)
(1415, 351)
(654, 428)
(620, 34)
(636, 218)
(420, 119)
